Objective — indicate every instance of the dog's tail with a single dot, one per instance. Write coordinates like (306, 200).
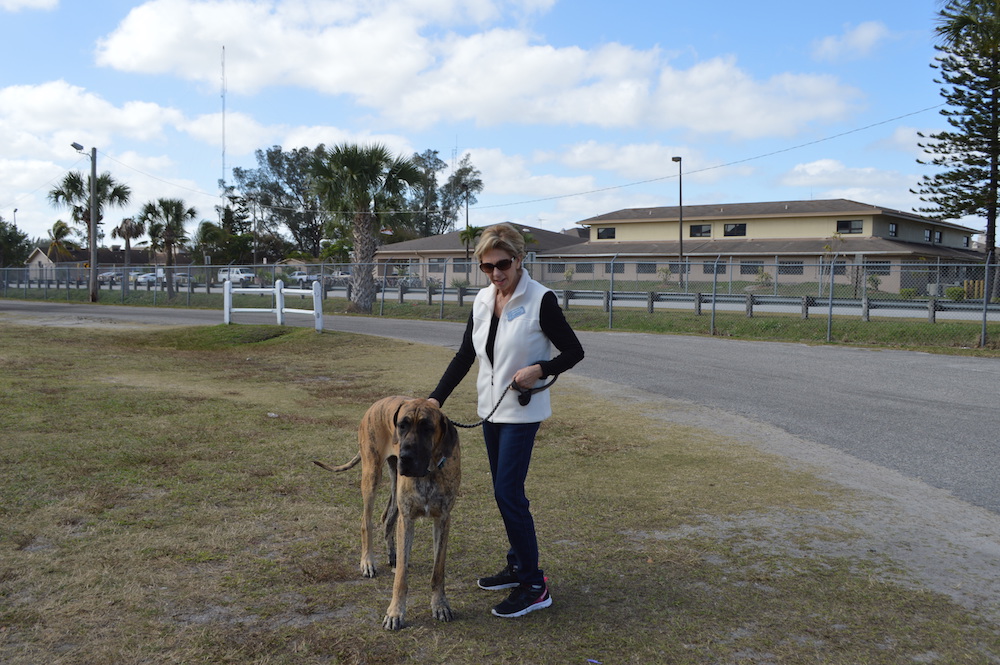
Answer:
(343, 467)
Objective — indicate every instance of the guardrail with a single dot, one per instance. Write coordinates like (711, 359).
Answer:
(278, 291)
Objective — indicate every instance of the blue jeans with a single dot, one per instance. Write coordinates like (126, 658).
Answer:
(509, 449)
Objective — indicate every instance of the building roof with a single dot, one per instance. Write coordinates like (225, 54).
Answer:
(450, 243)
(773, 209)
(711, 248)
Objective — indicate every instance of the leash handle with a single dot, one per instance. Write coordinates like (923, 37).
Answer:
(524, 398)
(495, 407)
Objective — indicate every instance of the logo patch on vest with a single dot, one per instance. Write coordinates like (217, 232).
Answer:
(514, 313)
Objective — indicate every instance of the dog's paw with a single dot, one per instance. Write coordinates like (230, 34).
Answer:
(391, 622)
(442, 611)
(368, 568)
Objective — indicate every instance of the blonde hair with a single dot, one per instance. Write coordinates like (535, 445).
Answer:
(503, 237)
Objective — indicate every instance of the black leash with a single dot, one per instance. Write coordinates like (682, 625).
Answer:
(524, 398)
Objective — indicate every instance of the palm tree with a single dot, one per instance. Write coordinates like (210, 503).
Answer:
(360, 181)
(468, 237)
(59, 243)
(165, 219)
(73, 192)
(130, 229)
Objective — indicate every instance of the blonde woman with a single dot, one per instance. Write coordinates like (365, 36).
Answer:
(514, 324)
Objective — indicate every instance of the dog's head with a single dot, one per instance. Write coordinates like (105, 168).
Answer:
(425, 437)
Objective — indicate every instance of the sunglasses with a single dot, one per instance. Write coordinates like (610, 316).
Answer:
(501, 265)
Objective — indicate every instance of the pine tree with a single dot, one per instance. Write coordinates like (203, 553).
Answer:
(969, 153)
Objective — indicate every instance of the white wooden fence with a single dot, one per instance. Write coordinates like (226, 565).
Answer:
(278, 293)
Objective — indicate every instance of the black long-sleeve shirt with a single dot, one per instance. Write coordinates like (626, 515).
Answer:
(553, 324)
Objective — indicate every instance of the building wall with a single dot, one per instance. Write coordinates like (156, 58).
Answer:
(787, 227)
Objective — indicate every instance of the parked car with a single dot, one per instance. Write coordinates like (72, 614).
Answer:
(183, 279)
(241, 276)
(111, 276)
(302, 279)
(145, 278)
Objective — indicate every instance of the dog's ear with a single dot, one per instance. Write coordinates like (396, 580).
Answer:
(395, 416)
(448, 440)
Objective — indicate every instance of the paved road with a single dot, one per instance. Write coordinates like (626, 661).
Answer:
(931, 417)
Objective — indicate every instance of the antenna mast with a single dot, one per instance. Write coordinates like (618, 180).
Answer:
(223, 126)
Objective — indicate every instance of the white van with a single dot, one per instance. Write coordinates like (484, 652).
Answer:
(241, 276)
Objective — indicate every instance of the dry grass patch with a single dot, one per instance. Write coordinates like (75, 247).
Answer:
(158, 504)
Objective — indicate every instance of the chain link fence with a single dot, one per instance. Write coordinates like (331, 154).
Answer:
(874, 302)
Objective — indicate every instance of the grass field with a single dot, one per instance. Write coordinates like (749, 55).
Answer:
(159, 505)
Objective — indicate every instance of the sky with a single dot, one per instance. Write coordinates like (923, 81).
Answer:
(569, 108)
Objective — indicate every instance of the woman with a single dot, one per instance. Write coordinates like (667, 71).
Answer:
(512, 328)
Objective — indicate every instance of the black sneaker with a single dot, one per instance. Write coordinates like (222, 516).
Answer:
(505, 579)
(525, 598)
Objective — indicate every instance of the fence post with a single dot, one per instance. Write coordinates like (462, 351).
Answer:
(987, 290)
(806, 301)
(401, 292)
(650, 299)
(319, 291)
(227, 302)
(932, 310)
(567, 294)
(279, 295)
(607, 301)
(430, 295)
(461, 296)
(749, 305)
(697, 304)
(865, 309)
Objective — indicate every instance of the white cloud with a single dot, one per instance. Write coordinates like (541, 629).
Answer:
(830, 178)
(855, 43)
(391, 57)
(49, 116)
(18, 5)
(716, 96)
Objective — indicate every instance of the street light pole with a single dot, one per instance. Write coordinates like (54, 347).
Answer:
(680, 217)
(93, 219)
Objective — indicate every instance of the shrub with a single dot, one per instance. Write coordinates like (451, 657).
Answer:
(907, 294)
(956, 293)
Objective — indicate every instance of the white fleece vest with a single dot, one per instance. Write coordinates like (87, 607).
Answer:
(520, 342)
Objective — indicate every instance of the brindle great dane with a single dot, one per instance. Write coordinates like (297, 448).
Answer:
(415, 436)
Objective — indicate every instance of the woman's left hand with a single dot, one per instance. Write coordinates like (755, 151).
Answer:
(527, 377)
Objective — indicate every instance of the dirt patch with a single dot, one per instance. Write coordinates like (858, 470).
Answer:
(941, 543)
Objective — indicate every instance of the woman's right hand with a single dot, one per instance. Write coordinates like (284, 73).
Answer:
(434, 402)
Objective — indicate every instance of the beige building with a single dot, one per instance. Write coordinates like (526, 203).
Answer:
(793, 239)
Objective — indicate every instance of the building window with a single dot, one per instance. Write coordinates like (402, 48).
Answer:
(938, 237)
(927, 235)
(893, 230)
(617, 268)
(555, 268)
(701, 231)
(850, 226)
(736, 229)
(751, 267)
(585, 268)
(791, 268)
(840, 268)
(679, 268)
(436, 265)
(965, 242)
(714, 268)
(878, 267)
(461, 265)
(645, 268)
(606, 233)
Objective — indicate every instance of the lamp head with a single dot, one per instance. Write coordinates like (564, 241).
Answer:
(76, 146)
(675, 159)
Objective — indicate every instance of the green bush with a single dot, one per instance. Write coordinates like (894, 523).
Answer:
(955, 293)
(907, 294)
